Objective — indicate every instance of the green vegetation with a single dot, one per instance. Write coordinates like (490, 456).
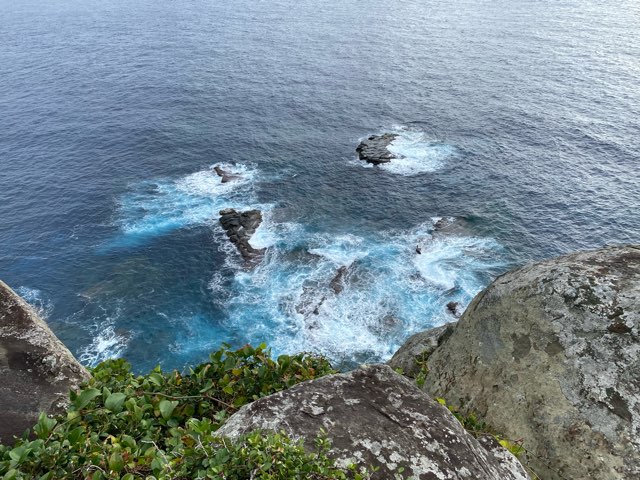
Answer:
(163, 425)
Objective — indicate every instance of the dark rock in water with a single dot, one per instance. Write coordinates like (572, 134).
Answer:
(453, 308)
(378, 418)
(314, 294)
(226, 176)
(36, 369)
(442, 223)
(550, 353)
(310, 300)
(374, 149)
(240, 226)
(452, 226)
(337, 284)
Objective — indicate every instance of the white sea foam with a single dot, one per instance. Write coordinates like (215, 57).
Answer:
(38, 301)
(106, 344)
(416, 152)
(388, 290)
(299, 297)
(157, 207)
(342, 250)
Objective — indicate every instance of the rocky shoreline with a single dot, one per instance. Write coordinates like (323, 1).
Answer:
(547, 355)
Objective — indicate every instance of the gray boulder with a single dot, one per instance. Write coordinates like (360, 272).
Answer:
(550, 354)
(374, 149)
(376, 417)
(413, 354)
(36, 369)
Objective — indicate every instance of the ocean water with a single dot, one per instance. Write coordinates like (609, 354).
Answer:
(518, 123)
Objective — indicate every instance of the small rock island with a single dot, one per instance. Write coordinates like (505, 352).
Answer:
(374, 149)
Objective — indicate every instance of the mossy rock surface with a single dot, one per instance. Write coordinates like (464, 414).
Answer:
(550, 353)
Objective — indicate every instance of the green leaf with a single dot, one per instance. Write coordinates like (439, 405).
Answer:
(166, 408)
(44, 426)
(85, 397)
(116, 462)
(75, 435)
(156, 378)
(115, 402)
(11, 474)
(18, 454)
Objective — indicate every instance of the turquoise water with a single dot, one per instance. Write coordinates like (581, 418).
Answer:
(520, 119)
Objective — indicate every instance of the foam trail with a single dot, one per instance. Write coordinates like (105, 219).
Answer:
(106, 341)
(154, 208)
(34, 297)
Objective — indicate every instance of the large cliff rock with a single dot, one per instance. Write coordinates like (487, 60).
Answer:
(376, 417)
(36, 369)
(550, 353)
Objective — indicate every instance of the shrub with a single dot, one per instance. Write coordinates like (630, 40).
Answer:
(162, 425)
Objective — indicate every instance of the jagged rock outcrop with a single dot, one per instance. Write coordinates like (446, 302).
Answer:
(240, 226)
(550, 353)
(224, 175)
(374, 149)
(36, 369)
(374, 416)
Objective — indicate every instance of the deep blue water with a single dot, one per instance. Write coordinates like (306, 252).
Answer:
(520, 117)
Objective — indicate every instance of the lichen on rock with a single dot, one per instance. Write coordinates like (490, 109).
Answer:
(373, 416)
(36, 369)
(550, 353)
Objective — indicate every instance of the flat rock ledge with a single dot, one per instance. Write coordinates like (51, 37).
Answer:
(550, 354)
(240, 227)
(36, 369)
(374, 149)
(375, 417)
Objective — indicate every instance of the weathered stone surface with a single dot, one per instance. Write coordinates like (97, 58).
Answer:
(550, 353)
(374, 149)
(36, 369)
(376, 417)
(240, 226)
(416, 350)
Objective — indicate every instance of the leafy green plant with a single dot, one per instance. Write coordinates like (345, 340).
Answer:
(163, 425)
